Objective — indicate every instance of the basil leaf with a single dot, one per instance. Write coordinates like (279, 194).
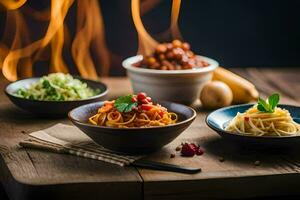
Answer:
(261, 108)
(273, 100)
(262, 105)
(125, 104)
(269, 105)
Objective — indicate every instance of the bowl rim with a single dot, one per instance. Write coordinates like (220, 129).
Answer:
(128, 65)
(133, 128)
(102, 94)
(217, 129)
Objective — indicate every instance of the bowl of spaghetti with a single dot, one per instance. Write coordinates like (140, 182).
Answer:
(132, 124)
(264, 122)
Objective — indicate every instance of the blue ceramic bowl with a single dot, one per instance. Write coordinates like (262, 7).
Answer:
(219, 119)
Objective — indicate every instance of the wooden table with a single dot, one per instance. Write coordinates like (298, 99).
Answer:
(34, 174)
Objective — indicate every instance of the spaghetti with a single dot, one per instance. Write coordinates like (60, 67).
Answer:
(257, 123)
(142, 113)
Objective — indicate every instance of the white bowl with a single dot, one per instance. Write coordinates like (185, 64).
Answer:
(182, 86)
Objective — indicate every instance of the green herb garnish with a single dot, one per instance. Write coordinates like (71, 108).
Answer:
(269, 105)
(125, 103)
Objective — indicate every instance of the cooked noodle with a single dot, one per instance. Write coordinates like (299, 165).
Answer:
(257, 123)
(157, 115)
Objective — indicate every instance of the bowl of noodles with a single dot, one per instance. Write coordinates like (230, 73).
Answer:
(132, 124)
(260, 123)
(54, 95)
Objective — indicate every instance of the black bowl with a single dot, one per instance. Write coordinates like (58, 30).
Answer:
(51, 108)
(219, 119)
(132, 140)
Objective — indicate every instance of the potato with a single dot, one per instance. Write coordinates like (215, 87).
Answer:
(216, 94)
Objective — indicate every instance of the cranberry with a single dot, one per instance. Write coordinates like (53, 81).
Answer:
(194, 146)
(141, 96)
(190, 149)
(187, 150)
(246, 119)
(200, 151)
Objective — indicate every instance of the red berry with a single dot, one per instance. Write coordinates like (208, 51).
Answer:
(134, 99)
(200, 151)
(194, 146)
(146, 107)
(246, 119)
(187, 150)
(141, 96)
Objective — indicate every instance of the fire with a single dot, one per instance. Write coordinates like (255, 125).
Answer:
(146, 42)
(174, 19)
(20, 54)
(90, 34)
(21, 37)
(12, 4)
(17, 59)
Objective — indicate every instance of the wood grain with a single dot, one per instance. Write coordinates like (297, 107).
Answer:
(237, 176)
(32, 174)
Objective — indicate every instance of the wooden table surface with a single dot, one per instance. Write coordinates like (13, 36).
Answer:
(33, 174)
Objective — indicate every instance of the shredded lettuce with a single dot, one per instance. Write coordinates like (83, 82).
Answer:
(57, 87)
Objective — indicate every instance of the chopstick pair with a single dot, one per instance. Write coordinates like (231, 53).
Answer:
(142, 163)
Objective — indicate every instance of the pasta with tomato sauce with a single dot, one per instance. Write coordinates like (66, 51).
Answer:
(133, 111)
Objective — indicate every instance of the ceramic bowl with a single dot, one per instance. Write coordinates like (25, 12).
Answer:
(182, 86)
(51, 108)
(132, 140)
(219, 119)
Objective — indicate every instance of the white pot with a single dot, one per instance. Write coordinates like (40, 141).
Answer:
(182, 86)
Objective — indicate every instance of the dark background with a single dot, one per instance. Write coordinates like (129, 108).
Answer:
(237, 33)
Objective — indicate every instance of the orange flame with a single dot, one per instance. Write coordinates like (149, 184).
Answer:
(12, 4)
(147, 43)
(21, 37)
(90, 30)
(19, 20)
(3, 53)
(54, 34)
(174, 19)
(17, 60)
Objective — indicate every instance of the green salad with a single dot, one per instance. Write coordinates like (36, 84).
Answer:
(57, 87)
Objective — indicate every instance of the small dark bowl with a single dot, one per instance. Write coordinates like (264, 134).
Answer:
(219, 119)
(51, 108)
(132, 140)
